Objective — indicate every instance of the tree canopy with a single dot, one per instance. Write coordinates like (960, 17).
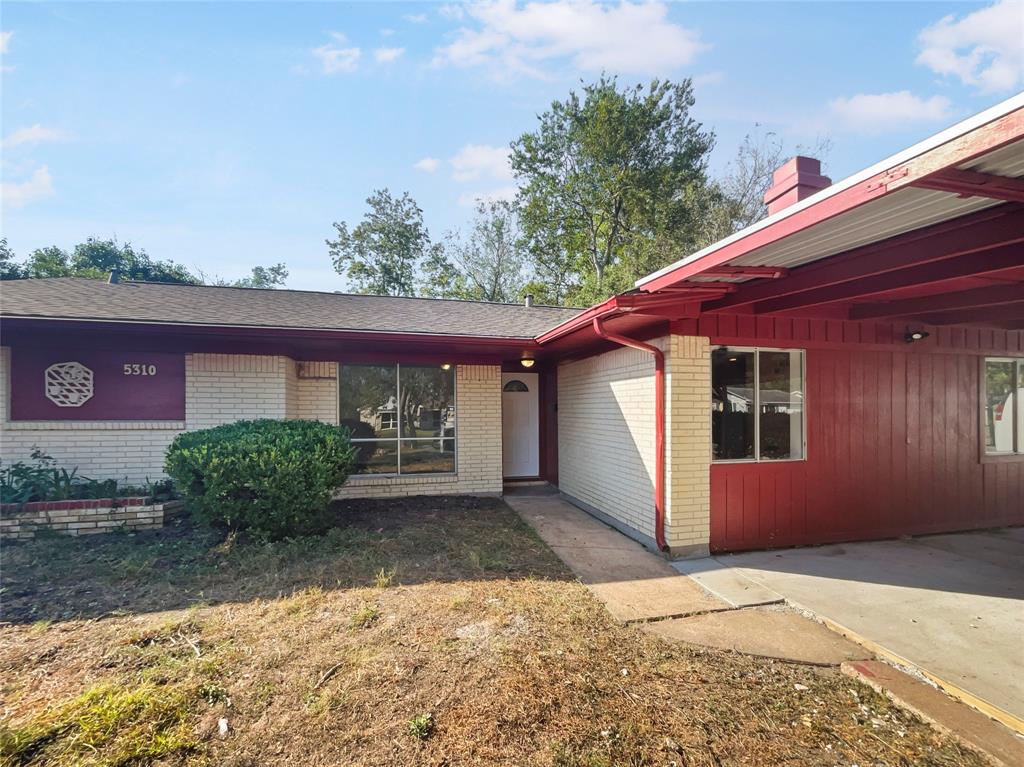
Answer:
(486, 264)
(382, 254)
(96, 259)
(613, 185)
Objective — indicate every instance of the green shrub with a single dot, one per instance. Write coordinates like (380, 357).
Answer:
(271, 477)
(41, 479)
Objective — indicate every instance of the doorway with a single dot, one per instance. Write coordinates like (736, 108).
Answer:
(520, 424)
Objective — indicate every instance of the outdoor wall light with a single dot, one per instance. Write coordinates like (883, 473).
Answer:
(915, 335)
(526, 363)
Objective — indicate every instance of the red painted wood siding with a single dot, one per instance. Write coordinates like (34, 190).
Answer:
(892, 449)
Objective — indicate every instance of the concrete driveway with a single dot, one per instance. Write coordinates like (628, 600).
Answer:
(950, 605)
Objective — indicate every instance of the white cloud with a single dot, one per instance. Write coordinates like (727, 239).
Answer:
(476, 161)
(384, 55)
(5, 47)
(39, 184)
(36, 134)
(984, 49)
(416, 18)
(428, 164)
(334, 58)
(881, 112)
(505, 193)
(628, 38)
(387, 32)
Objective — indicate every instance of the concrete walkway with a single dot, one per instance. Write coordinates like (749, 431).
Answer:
(951, 606)
(638, 586)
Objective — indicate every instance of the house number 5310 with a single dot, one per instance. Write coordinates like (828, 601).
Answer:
(135, 369)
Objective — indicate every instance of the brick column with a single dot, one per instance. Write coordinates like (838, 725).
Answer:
(688, 446)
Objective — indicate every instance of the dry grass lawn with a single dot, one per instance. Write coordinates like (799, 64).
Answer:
(424, 631)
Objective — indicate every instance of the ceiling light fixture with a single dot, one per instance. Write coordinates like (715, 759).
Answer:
(915, 335)
(446, 366)
(526, 363)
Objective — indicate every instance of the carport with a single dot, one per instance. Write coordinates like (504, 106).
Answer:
(947, 606)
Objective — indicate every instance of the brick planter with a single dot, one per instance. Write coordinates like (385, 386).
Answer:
(83, 517)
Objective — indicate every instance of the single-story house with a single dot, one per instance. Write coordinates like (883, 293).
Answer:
(851, 367)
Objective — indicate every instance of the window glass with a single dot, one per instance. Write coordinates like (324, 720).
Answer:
(376, 456)
(368, 400)
(515, 385)
(428, 456)
(781, 403)
(999, 406)
(402, 417)
(428, 402)
(732, 404)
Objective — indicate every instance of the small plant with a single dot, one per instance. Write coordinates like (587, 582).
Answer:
(421, 726)
(365, 616)
(213, 693)
(384, 578)
(275, 478)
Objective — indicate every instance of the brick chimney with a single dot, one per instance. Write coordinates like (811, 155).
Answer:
(796, 180)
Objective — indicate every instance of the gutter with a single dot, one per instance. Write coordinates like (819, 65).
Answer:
(659, 421)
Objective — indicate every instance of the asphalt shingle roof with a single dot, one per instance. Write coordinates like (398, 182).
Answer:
(77, 298)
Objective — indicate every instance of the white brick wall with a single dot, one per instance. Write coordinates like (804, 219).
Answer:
(606, 438)
(223, 388)
(606, 455)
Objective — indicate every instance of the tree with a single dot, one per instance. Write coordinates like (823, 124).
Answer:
(609, 182)
(748, 176)
(484, 265)
(9, 268)
(96, 258)
(382, 253)
(261, 277)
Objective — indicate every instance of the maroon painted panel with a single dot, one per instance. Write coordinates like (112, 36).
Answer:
(892, 449)
(48, 385)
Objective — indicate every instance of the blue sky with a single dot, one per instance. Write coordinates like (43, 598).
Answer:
(227, 135)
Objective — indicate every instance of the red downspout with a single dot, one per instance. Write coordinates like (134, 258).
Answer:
(659, 424)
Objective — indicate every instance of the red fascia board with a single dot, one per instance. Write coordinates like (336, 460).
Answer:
(581, 321)
(964, 299)
(962, 236)
(995, 134)
(995, 260)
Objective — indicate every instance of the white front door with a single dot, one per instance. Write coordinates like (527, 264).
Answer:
(520, 425)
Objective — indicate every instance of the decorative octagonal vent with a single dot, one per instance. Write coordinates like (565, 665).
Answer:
(68, 384)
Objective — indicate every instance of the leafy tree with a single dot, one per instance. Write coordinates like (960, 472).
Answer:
(261, 277)
(484, 265)
(96, 258)
(613, 186)
(9, 268)
(382, 253)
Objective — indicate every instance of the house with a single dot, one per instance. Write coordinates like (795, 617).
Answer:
(849, 368)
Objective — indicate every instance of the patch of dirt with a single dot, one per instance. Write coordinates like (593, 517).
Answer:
(313, 658)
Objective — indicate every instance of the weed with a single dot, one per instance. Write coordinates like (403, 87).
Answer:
(384, 578)
(213, 693)
(365, 616)
(421, 726)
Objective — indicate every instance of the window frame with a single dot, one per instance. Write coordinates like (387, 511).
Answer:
(399, 439)
(756, 350)
(1017, 454)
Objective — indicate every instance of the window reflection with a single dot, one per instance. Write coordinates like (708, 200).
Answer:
(732, 404)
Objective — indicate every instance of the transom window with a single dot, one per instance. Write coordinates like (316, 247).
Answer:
(1003, 416)
(402, 417)
(757, 404)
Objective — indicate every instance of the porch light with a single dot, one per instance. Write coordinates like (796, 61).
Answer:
(915, 335)
(526, 363)
(446, 366)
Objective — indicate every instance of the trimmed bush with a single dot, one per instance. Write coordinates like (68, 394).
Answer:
(271, 477)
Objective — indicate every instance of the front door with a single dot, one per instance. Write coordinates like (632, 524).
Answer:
(520, 425)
